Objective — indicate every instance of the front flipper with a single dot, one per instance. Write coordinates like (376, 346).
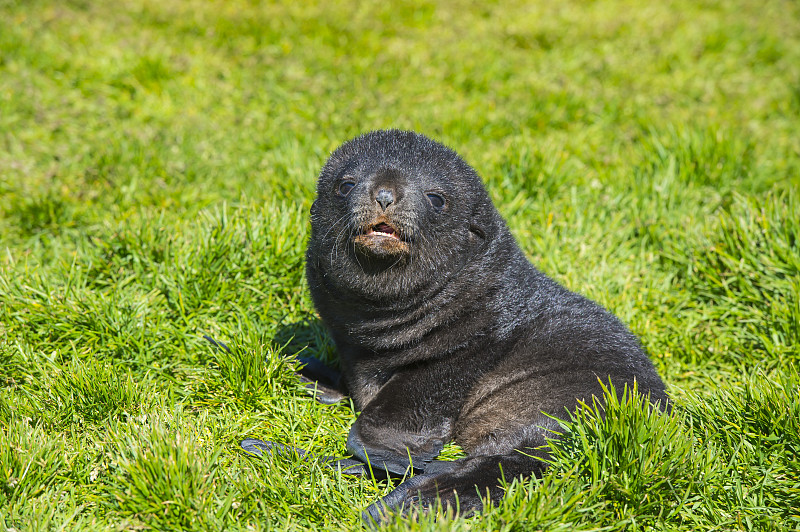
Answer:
(348, 466)
(406, 425)
(392, 452)
(463, 485)
(259, 447)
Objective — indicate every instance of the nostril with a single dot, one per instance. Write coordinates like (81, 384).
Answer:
(384, 198)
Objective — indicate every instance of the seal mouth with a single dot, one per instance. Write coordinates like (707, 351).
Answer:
(383, 230)
(382, 240)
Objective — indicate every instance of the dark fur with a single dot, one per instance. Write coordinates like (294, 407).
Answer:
(450, 333)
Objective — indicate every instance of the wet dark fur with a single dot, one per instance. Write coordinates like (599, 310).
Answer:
(450, 333)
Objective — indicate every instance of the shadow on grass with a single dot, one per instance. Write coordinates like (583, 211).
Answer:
(305, 339)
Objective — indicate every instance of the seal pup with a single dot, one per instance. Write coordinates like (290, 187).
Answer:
(444, 330)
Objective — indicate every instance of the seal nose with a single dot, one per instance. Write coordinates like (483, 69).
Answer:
(385, 198)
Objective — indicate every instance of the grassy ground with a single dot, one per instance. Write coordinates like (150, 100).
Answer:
(157, 162)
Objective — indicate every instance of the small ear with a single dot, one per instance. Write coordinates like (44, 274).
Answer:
(484, 222)
(477, 237)
(313, 209)
(477, 231)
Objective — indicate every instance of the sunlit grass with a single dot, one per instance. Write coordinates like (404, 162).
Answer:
(157, 164)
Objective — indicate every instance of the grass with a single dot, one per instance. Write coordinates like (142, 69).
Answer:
(157, 163)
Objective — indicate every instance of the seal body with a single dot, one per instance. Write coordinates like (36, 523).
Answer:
(445, 331)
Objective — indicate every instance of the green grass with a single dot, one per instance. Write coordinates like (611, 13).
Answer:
(157, 163)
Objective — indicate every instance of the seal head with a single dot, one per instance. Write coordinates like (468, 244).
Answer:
(393, 207)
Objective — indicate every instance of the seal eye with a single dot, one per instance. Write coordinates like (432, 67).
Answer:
(436, 200)
(345, 187)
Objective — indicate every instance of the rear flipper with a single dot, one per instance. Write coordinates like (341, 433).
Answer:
(348, 466)
(463, 485)
(321, 380)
